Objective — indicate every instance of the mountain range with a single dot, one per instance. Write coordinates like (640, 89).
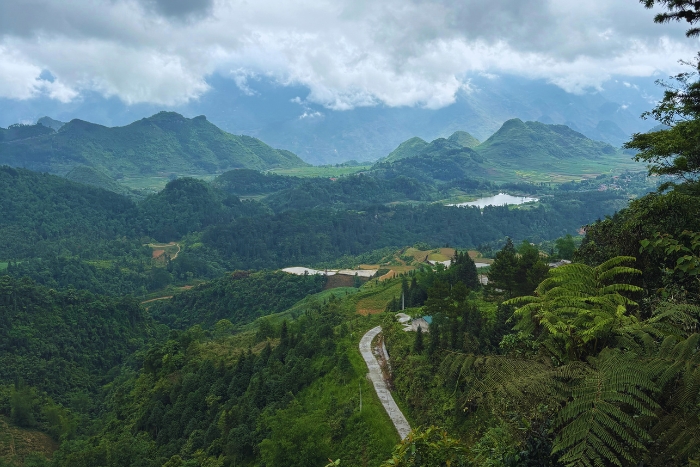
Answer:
(518, 150)
(170, 145)
(166, 143)
(285, 117)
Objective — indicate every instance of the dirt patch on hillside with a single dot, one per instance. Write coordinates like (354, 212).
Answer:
(389, 275)
(339, 280)
(16, 443)
(154, 299)
(163, 250)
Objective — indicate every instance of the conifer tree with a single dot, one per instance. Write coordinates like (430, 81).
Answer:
(418, 344)
(502, 280)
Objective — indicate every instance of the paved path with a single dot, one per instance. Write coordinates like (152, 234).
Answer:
(375, 374)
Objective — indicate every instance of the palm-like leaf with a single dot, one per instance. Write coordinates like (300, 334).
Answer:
(578, 304)
(598, 425)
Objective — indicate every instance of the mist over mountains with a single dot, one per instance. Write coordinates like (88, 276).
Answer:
(280, 115)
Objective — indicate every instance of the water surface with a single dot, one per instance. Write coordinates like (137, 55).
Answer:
(500, 199)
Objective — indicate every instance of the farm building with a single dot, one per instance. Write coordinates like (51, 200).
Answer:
(412, 325)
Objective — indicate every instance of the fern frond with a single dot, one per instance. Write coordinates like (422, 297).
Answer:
(613, 272)
(595, 427)
(616, 261)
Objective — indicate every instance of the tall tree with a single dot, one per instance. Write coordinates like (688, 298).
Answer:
(463, 270)
(503, 271)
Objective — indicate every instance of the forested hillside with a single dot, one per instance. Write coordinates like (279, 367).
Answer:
(157, 328)
(60, 233)
(164, 143)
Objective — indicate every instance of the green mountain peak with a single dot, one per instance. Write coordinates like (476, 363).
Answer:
(165, 143)
(464, 139)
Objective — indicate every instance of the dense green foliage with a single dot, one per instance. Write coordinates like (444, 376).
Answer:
(203, 401)
(166, 142)
(43, 215)
(240, 298)
(61, 233)
(65, 343)
(245, 182)
(319, 235)
(89, 176)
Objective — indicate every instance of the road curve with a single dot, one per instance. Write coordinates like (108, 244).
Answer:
(375, 375)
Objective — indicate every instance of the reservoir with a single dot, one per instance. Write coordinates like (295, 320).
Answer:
(500, 199)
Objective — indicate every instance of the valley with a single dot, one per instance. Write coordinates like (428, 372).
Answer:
(506, 278)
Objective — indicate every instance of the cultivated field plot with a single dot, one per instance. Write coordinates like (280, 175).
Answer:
(16, 443)
(320, 171)
(376, 299)
(158, 182)
(438, 254)
(163, 250)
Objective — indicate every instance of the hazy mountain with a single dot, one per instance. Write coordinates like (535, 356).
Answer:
(282, 117)
(19, 132)
(409, 148)
(50, 123)
(535, 141)
(417, 146)
(166, 143)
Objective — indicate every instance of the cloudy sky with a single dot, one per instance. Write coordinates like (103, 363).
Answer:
(348, 53)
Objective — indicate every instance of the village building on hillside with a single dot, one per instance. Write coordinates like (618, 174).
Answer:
(559, 263)
(412, 325)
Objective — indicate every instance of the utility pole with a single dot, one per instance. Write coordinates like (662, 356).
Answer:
(403, 301)
(359, 385)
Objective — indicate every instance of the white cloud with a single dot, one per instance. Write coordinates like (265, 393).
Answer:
(21, 79)
(348, 53)
(310, 114)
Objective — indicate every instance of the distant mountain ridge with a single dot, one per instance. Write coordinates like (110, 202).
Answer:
(521, 139)
(417, 146)
(516, 149)
(165, 143)
(50, 123)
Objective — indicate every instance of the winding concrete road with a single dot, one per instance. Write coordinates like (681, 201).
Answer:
(375, 375)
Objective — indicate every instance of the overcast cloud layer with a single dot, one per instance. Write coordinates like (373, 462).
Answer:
(347, 52)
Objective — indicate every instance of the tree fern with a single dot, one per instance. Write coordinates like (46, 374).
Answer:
(676, 368)
(598, 426)
(578, 305)
(506, 383)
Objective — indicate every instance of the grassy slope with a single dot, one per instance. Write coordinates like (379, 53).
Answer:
(409, 148)
(327, 171)
(376, 297)
(93, 177)
(464, 139)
